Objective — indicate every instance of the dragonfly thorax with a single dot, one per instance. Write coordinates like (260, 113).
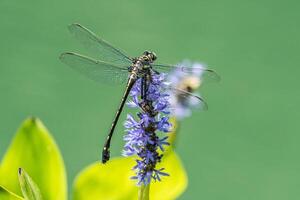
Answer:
(142, 64)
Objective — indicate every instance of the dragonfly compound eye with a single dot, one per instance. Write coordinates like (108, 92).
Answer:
(146, 53)
(153, 55)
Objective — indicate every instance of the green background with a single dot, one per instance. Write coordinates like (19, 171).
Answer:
(246, 146)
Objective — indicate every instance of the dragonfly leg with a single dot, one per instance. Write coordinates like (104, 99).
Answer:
(142, 89)
(146, 87)
(155, 71)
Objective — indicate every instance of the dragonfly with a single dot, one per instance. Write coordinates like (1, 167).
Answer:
(112, 65)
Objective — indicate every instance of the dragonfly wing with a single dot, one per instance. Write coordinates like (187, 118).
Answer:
(98, 46)
(185, 99)
(207, 75)
(94, 69)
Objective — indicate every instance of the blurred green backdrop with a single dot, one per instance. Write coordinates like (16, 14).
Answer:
(246, 146)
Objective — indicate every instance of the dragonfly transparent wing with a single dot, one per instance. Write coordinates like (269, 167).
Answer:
(94, 69)
(186, 99)
(207, 75)
(98, 46)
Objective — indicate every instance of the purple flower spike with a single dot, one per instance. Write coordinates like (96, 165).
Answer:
(141, 138)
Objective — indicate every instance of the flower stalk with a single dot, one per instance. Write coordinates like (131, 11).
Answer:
(143, 193)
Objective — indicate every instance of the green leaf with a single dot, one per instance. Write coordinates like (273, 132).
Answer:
(29, 189)
(112, 180)
(34, 149)
(7, 195)
(171, 186)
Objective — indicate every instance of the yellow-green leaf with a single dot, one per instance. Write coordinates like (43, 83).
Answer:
(112, 180)
(34, 149)
(7, 195)
(29, 189)
(171, 186)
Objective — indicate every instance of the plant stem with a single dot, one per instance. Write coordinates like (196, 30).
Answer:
(143, 193)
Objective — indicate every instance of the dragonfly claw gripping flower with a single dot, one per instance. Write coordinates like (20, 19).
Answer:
(141, 137)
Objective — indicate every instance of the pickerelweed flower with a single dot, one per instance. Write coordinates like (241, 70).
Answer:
(187, 81)
(141, 132)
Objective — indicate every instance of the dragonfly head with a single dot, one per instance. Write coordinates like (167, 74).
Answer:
(150, 56)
